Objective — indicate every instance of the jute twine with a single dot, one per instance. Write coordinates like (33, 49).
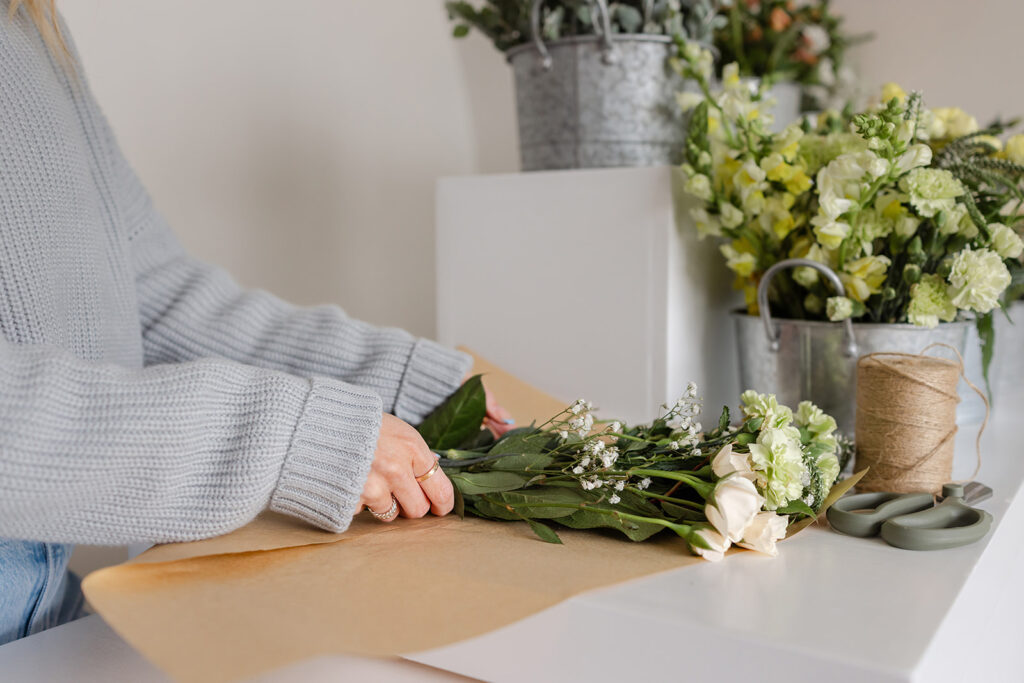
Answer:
(906, 420)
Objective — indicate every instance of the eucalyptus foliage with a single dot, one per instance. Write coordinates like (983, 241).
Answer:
(507, 22)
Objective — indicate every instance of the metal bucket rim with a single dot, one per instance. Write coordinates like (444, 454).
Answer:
(741, 313)
(617, 39)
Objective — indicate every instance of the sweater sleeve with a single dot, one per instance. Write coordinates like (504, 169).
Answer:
(190, 310)
(103, 454)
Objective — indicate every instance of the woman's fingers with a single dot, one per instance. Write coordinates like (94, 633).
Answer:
(376, 495)
(410, 496)
(437, 487)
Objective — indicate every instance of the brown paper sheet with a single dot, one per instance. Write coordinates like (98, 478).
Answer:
(276, 591)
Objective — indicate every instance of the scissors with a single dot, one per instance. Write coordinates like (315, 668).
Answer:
(912, 520)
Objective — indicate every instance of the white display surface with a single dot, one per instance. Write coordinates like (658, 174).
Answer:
(829, 608)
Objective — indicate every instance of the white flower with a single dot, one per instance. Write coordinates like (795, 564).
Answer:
(718, 544)
(727, 462)
(730, 215)
(766, 406)
(778, 463)
(838, 308)
(699, 185)
(1005, 241)
(614, 499)
(644, 483)
(688, 100)
(577, 470)
(764, 531)
(706, 223)
(736, 501)
(620, 484)
(563, 435)
(916, 155)
(816, 38)
(615, 427)
(977, 279)
(609, 456)
(691, 390)
(585, 461)
(673, 445)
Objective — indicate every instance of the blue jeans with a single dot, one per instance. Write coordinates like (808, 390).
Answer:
(37, 591)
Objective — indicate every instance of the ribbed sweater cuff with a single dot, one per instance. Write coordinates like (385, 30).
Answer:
(433, 373)
(330, 455)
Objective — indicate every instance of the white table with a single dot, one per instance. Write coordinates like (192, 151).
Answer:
(829, 608)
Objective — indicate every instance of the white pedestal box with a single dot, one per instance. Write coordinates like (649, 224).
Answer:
(581, 283)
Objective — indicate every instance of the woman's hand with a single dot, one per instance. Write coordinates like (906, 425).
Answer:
(401, 456)
(497, 419)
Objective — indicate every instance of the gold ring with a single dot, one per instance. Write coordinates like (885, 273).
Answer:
(391, 512)
(429, 473)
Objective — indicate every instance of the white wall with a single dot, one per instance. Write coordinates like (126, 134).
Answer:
(957, 53)
(297, 143)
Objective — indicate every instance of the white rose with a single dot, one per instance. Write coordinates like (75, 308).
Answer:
(718, 544)
(764, 531)
(736, 501)
(727, 462)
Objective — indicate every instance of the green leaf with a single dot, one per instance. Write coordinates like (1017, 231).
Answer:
(521, 440)
(544, 532)
(590, 519)
(987, 334)
(473, 483)
(457, 420)
(677, 512)
(525, 462)
(460, 503)
(460, 31)
(531, 502)
(796, 507)
(629, 18)
(723, 421)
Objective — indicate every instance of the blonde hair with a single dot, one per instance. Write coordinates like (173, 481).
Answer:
(43, 14)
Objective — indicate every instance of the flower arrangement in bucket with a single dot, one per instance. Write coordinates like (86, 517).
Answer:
(592, 85)
(782, 42)
(749, 484)
(916, 210)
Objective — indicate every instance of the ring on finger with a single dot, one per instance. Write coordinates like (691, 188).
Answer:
(389, 514)
(429, 473)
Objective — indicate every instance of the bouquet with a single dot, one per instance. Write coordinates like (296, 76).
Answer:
(745, 484)
(776, 40)
(916, 209)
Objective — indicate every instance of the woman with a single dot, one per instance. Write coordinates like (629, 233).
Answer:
(143, 395)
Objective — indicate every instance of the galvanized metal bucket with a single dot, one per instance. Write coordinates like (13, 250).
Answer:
(597, 101)
(812, 360)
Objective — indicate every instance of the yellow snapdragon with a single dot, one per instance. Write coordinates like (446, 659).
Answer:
(865, 276)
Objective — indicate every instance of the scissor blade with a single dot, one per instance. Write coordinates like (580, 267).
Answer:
(975, 492)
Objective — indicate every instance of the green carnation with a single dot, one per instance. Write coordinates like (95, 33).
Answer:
(779, 466)
(930, 302)
(977, 279)
(838, 308)
(766, 406)
(817, 422)
(931, 190)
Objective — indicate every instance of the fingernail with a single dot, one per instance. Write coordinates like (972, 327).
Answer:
(509, 421)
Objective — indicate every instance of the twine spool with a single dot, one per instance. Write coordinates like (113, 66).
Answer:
(906, 421)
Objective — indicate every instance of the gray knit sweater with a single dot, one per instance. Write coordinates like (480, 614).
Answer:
(143, 395)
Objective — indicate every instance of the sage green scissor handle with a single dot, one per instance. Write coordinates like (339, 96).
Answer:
(911, 521)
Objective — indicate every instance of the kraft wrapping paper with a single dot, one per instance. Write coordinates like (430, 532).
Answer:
(277, 591)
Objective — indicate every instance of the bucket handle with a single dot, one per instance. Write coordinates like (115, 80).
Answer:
(766, 315)
(608, 55)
